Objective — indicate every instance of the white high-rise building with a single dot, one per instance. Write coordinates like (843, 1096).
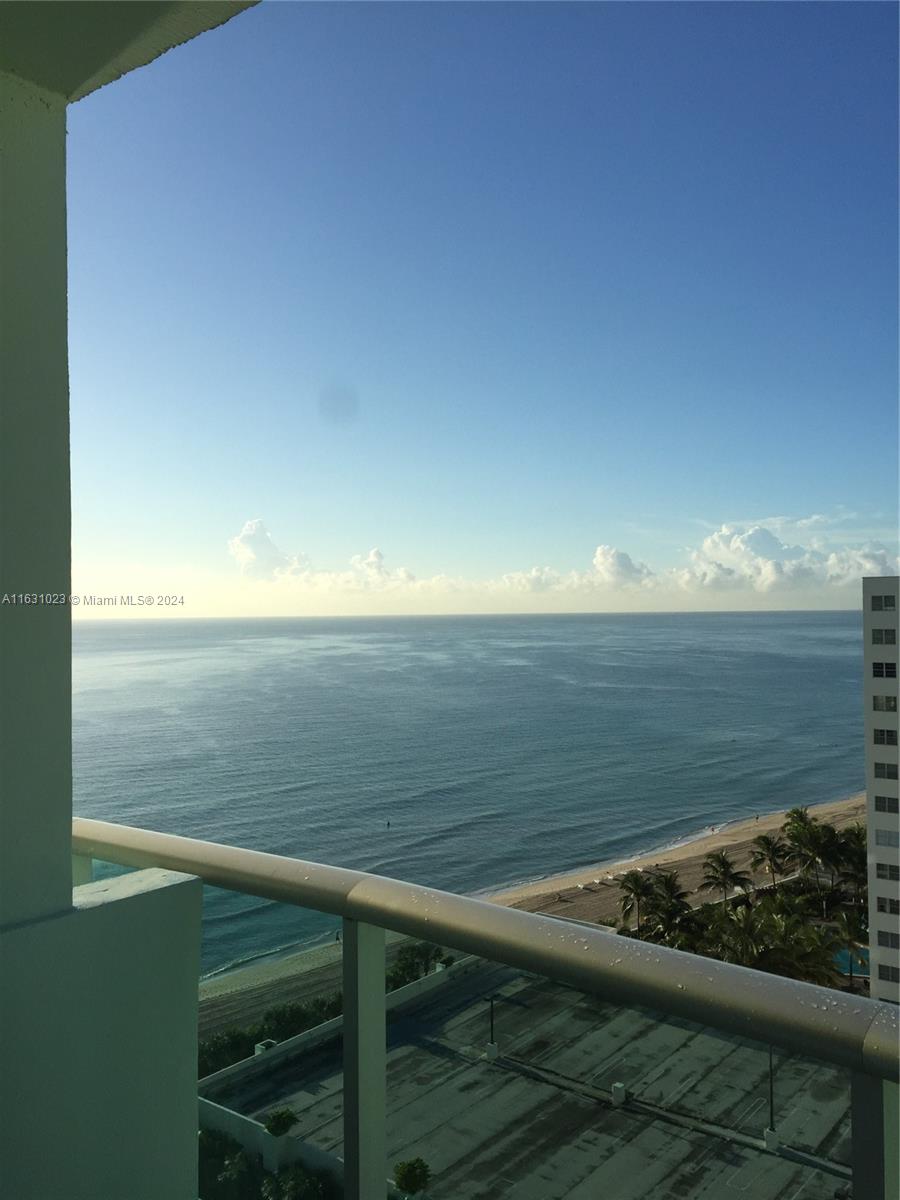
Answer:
(880, 634)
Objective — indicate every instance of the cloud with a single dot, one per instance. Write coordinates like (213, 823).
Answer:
(373, 571)
(757, 560)
(538, 579)
(744, 563)
(615, 568)
(255, 552)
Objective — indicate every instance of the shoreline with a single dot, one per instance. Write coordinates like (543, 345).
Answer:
(615, 865)
(715, 837)
(583, 893)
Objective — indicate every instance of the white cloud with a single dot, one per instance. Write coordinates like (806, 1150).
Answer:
(538, 579)
(752, 564)
(255, 552)
(374, 573)
(757, 560)
(614, 568)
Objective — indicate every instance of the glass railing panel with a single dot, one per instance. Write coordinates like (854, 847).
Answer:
(302, 1073)
(270, 1037)
(577, 1098)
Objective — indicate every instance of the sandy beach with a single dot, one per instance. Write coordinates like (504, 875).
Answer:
(589, 894)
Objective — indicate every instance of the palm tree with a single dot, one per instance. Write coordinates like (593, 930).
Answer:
(737, 934)
(798, 950)
(853, 869)
(720, 874)
(667, 889)
(769, 852)
(797, 818)
(852, 939)
(806, 846)
(636, 888)
(667, 907)
(831, 851)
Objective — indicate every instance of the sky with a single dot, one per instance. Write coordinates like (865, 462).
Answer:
(424, 308)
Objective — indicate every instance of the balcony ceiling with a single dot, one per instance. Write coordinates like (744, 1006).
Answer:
(73, 47)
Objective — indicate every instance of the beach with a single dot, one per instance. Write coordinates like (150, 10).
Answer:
(589, 893)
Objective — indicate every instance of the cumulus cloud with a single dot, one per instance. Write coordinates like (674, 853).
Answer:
(615, 568)
(255, 552)
(741, 560)
(372, 568)
(756, 559)
(538, 579)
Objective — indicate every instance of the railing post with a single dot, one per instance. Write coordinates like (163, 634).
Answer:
(82, 870)
(365, 1062)
(874, 1122)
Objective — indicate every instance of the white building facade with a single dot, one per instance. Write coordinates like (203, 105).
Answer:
(880, 635)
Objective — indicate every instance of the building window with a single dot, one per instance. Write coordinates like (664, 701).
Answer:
(885, 737)
(887, 904)
(884, 603)
(884, 637)
(885, 770)
(891, 940)
(882, 670)
(888, 804)
(884, 703)
(892, 974)
(888, 871)
(887, 837)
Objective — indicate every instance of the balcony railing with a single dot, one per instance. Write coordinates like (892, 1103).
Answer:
(847, 1031)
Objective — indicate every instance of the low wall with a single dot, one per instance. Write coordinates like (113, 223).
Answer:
(301, 1043)
(276, 1152)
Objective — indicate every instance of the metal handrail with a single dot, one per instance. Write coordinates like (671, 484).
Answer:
(849, 1031)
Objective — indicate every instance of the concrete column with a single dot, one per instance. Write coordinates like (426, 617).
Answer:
(98, 1045)
(365, 1063)
(35, 639)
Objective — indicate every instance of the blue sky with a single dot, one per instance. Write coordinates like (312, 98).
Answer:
(488, 287)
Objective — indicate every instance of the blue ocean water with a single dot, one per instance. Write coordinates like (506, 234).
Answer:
(499, 748)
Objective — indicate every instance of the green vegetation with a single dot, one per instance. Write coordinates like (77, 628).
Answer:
(793, 928)
(720, 874)
(770, 854)
(412, 962)
(286, 1020)
(229, 1173)
(226, 1171)
(412, 1176)
(298, 1183)
(279, 1023)
(637, 889)
(280, 1121)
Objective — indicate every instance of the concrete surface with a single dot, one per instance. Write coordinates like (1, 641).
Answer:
(538, 1123)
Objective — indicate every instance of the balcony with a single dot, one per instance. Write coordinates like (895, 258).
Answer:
(372, 1107)
(98, 984)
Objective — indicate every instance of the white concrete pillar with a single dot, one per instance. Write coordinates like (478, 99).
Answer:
(35, 639)
(365, 1063)
(98, 1045)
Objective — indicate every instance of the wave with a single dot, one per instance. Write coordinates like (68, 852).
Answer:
(281, 951)
(645, 852)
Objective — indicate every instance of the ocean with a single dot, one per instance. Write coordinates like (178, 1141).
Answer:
(499, 749)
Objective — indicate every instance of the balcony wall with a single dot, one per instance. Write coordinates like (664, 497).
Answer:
(98, 1040)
